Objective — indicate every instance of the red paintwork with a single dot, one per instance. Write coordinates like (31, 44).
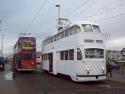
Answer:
(28, 64)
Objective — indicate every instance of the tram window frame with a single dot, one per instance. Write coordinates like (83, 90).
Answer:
(26, 56)
(67, 54)
(59, 36)
(46, 56)
(67, 33)
(97, 53)
(86, 29)
(42, 57)
(100, 53)
(62, 34)
(79, 54)
(61, 55)
(54, 38)
(51, 39)
(95, 27)
(76, 27)
(71, 54)
(71, 30)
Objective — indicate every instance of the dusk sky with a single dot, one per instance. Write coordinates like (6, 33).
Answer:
(39, 17)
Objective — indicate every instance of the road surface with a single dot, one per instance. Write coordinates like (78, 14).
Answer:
(44, 83)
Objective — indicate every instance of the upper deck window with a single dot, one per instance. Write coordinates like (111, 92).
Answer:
(87, 28)
(62, 34)
(71, 30)
(77, 29)
(67, 33)
(55, 37)
(51, 39)
(96, 28)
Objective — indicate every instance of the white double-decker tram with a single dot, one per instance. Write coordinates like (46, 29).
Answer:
(77, 51)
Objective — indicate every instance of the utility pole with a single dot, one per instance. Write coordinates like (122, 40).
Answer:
(58, 11)
(2, 35)
(1, 39)
(2, 44)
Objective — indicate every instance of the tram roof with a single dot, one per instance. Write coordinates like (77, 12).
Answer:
(22, 38)
(72, 24)
(84, 22)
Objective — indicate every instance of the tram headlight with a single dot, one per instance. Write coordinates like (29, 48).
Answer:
(103, 69)
(88, 70)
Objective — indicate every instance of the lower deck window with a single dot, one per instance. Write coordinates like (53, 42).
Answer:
(45, 57)
(27, 56)
(79, 54)
(67, 54)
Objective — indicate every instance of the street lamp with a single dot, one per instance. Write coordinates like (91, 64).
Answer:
(58, 11)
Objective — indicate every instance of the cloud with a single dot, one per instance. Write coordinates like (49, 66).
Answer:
(18, 14)
(116, 43)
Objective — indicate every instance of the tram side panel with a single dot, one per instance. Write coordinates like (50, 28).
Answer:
(60, 66)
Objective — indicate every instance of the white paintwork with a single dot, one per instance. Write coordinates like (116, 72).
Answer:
(76, 67)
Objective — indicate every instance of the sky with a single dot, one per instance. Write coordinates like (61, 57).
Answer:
(39, 17)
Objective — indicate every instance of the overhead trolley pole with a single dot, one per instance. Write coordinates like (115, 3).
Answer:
(61, 22)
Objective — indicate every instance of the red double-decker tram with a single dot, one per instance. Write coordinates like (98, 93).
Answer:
(24, 58)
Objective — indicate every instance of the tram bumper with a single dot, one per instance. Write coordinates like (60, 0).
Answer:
(83, 78)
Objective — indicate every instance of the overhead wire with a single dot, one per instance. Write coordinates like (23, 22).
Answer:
(107, 11)
(35, 16)
(111, 17)
(77, 8)
(101, 13)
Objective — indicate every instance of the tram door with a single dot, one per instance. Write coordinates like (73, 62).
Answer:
(50, 62)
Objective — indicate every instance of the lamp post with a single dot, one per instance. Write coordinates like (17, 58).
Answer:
(58, 6)
(61, 22)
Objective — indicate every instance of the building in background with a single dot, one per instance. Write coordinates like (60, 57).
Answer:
(113, 55)
(123, 54)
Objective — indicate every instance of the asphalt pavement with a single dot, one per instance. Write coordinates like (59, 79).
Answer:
(9, 86)
(118, 75)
